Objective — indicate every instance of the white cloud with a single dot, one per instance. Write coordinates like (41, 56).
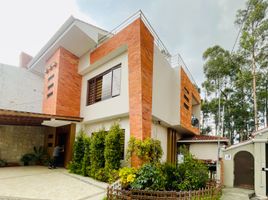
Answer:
(27, 25)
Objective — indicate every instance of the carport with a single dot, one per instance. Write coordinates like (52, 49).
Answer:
(21, 131)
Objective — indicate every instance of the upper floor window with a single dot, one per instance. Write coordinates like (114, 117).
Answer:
(105, 85)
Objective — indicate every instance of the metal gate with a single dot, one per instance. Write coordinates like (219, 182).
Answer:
(244, 170)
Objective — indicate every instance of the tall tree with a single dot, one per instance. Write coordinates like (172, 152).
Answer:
(253, 41)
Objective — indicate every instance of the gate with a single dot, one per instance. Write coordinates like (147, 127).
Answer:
(244, 170)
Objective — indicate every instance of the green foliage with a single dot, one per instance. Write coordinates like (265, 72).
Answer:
(97, 154)
(113, 147)
(148, 150)
(192, 173)
(3, 163)
(86, 158)
(172, 176)
(127, 175)
(76, 165)
(40, 155)
(149, 177)
(236, 74)
(27, 159)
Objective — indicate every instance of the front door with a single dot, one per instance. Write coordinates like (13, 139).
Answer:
(62, 134)
(244, 170)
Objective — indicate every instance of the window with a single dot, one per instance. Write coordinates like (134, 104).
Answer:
(51, 77)
(104, 86)
(186, 106)
(50, 86)
(49, 94)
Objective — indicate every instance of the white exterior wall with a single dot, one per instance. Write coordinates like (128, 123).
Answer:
(166, 88)
(124, 124)
(20, 89)
(204, 151)
(109, 108)
(159, 132)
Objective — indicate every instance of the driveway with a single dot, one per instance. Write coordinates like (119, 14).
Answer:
(235, 194)
(41, 183)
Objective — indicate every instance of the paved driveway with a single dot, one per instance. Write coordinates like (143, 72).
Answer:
(235, 194)
(40, 183)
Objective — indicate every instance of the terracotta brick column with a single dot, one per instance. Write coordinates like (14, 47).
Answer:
(62, 86)
(140, 43)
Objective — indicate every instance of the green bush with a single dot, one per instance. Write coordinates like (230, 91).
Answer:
(97, 153)
(149, 150)
(193, 173)
(113, 147)
(172, 176)
(3, 163)
(86, 158)
(149, 177)
(27, 159)
(75, 166)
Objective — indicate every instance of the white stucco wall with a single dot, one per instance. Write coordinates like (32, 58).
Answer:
(20, 89)
(93, 127)
(109, 108)
(159, 132)
(204, 151)
(166, 88)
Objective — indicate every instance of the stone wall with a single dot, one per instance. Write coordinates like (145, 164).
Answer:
(16, 141)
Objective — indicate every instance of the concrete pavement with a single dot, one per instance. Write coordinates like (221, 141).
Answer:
(235, 194)
(41, 183)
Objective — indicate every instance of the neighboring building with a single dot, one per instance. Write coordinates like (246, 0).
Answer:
(246, 164)
(205, 148)
(94, 78)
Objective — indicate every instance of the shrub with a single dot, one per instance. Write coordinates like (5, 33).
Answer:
(149, 177)
(172, 176)
(97, 153)
(127, 176)
(27, 159)
(113, 147)
(3, 163)
(75, 166)
(149, 150)
(193, 173)
(40, 155)
(86, 158)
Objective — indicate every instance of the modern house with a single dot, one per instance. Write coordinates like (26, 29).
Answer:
(87, 78)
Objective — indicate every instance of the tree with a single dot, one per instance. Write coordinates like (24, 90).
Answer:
(253, 42)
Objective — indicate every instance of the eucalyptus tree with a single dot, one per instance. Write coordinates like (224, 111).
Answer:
(253, 42)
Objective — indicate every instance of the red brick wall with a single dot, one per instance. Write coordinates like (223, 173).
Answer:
(67, 85)
(186, 115)
(140, 44)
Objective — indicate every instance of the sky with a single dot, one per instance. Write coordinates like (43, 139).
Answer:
(187, 27)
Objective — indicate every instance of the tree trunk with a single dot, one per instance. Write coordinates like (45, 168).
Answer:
(254, 92)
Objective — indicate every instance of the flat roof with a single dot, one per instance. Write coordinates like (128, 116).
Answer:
(14, 117)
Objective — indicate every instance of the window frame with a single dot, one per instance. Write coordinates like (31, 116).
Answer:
(94, 79)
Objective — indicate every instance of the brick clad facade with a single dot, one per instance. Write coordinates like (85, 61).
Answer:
(140, 60)
(188, 89)
(65, 99)
(140, 43)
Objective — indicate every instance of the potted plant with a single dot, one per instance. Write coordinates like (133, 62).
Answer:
(27, 158)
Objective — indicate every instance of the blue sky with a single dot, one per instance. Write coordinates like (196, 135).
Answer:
(187, 27)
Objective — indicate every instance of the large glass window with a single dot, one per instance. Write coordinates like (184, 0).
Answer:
(104, 86)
